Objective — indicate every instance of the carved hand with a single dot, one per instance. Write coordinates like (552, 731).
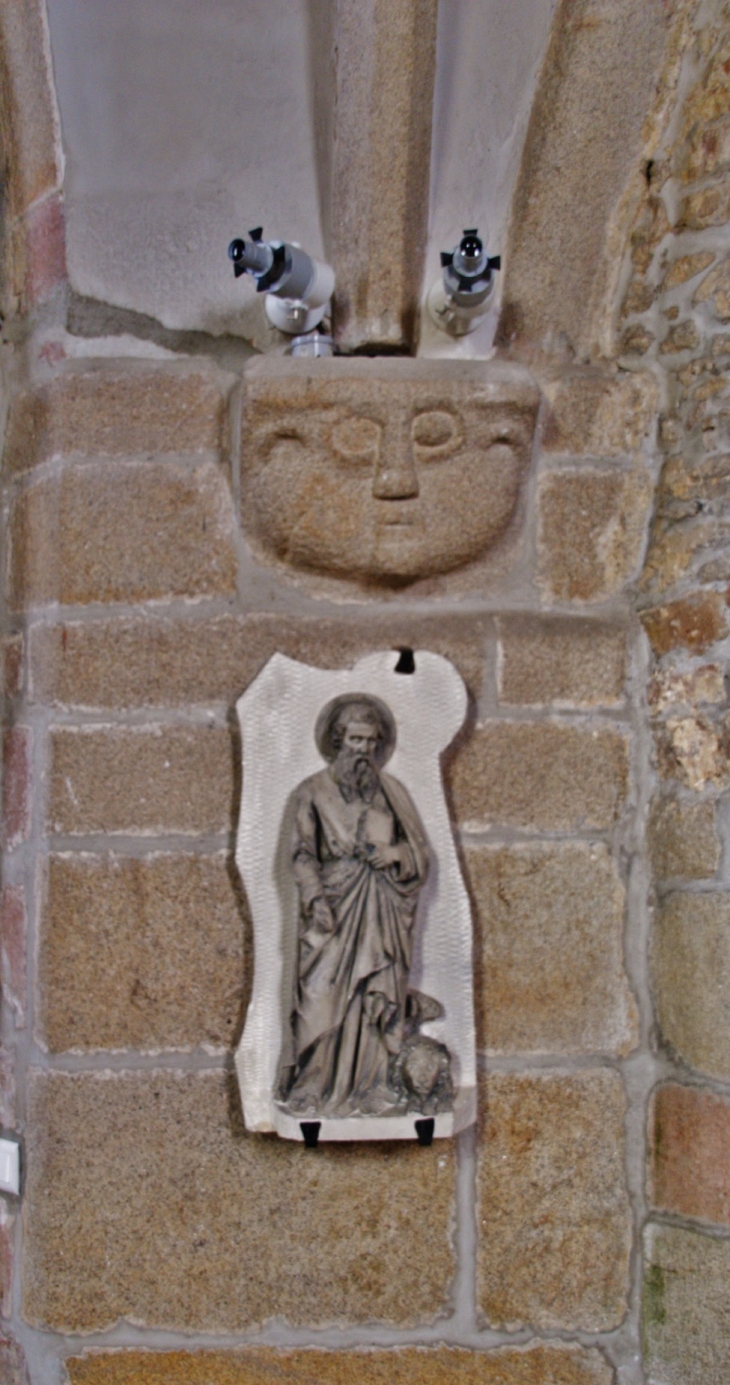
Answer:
(383, 856)
(322, 915)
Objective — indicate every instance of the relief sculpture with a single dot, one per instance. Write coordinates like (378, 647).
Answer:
(360, 857)
(384, 473)
(361, 1015)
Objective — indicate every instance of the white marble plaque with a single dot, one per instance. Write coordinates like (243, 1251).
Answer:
(361, 1016)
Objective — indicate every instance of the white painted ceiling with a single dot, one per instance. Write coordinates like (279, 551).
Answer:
(185, 122)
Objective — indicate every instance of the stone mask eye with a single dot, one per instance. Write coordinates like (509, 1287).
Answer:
(435, 434)
(357, 440)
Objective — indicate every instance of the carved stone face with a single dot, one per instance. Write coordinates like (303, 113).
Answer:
(383, 471)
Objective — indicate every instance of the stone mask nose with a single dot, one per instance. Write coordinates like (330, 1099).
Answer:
(395, 473)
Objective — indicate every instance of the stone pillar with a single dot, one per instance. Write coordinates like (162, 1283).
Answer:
(376, 61)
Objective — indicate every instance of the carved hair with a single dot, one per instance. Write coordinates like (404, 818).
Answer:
(334, 719)
(355, 711)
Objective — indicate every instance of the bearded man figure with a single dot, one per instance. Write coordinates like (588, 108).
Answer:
(359, 856)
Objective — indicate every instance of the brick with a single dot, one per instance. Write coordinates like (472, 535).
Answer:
(133, 410)
(597, 85)
(540, 775)
(668, 687)
(45, 249)
(687, 267)
(691, 966)
(13, 1370)
(605, 514)
(7, 1246)
(682, 337)
(28, 114)
(682, 839)
(590, 414)
(159, 662)
(171, 930)
(636, 340)
(695, 750)
(709, 150)
(560, 662)
(379, 161)
(695, 622)
(686, 1323)
(173, 1217)
(16, 792)
(141, 779)
(537, 1364)
(13, 946)
(716, 287)
(550, 923)
(674, 547)
(132, 532)
(708, 207)
(13, 649)
(690, 1153)
(554, 1220)
(7, 1088)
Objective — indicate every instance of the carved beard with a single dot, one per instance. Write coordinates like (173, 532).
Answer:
(356, 775)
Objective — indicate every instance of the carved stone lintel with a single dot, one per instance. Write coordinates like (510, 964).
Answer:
(386, 473)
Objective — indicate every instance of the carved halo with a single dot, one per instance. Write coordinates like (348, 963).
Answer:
(328, 717)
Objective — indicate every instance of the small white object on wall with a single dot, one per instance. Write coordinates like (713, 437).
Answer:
(279, 715)
(9, 1166)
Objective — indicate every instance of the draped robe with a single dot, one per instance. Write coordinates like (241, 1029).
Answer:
(351, 982)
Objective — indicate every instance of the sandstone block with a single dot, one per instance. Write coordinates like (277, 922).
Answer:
(13, 949)
(674, 547)
(380, 61)
(540, 775)
(686, 1326)
(687, 267)
(554, 1221)
(694, 622)
(596, 88)
(715, 287)
(147, 779)
(28, 107)
(133, 532)
(13, 1369)
(159, 662)
(668, 687)
(560, 662)
(548, 1364)
(552, 973)
(173, 1217)
(691, 965)
(171, 931)
(7, 1247)
(8, 1112)
(709, 150)
(13, 648)
(690, 1153)
(594, 415)
(636, 340)
(605, 514)
(708, 207)
(16, 788)
(115, 411)
(682, 337)
(682, 839)
(45, 249)
(695, 750)
(385, 472)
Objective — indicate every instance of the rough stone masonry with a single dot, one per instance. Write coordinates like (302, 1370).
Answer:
(581, 1234)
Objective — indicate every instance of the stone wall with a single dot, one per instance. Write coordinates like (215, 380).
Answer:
(157, 1240)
